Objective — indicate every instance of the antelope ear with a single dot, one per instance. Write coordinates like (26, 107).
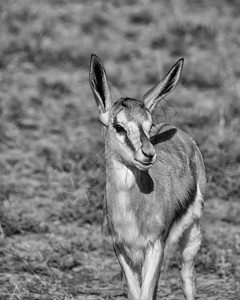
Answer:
(161, 132)
(100, 87)
(165, 86)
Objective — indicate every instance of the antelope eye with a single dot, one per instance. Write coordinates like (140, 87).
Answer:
(119, 128)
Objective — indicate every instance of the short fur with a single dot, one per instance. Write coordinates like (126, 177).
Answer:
(155, 185)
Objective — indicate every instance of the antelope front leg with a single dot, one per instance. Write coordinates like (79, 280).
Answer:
(189, 246)
(131, 275)
(151, 271)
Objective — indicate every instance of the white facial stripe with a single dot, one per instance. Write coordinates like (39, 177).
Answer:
(121, 117)
(146, 125)
(132, 129)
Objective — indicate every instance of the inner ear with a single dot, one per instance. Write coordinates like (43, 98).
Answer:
(99, 83)
(165, 86)
(100, 87)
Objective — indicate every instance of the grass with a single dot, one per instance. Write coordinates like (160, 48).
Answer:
(52, 151)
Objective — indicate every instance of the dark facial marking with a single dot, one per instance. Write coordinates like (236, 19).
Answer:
(127, 139)
(130, 144)
(143, 136)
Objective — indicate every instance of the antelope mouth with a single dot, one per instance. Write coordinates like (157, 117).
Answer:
(142, 164)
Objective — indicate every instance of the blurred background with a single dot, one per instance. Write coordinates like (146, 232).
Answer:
(52, 152)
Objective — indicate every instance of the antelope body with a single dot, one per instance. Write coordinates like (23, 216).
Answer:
(155, 185)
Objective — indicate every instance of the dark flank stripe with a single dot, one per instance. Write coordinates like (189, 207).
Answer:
(182, 205)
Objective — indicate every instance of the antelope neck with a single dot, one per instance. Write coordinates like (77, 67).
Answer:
(120, 175)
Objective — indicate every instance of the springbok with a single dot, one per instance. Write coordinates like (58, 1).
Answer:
(155, 184)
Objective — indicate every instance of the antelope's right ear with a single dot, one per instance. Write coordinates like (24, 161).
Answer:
(100, 87)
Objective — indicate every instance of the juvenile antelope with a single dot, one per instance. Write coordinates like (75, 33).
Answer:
(155, 185)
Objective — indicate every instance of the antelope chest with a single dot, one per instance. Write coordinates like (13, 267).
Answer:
(124, 218)
(132, 229)
(130, 213)
(120, 188)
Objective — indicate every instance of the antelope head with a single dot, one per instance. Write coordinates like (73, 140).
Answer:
(128, 121)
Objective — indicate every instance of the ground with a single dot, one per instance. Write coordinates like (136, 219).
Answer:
(51, 151)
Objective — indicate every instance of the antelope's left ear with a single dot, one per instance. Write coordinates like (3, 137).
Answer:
(165, 86)
(100, 87)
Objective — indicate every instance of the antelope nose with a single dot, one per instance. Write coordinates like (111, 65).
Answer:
(148, 150)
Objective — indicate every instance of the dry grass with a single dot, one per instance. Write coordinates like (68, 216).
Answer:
(51, 151)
